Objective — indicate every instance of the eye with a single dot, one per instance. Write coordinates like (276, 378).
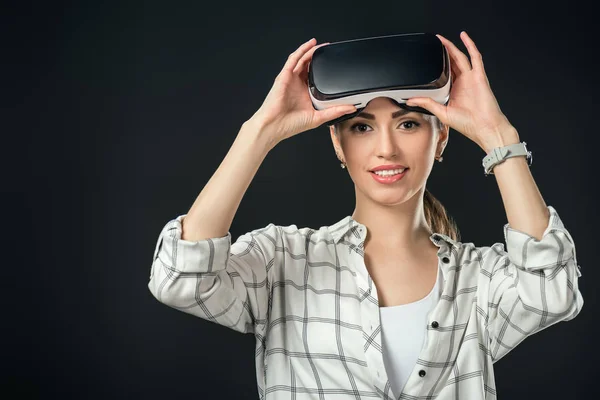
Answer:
(412, 125)
(353, 127)
(412, 122)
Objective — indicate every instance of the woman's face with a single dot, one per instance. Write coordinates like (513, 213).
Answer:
(382, 134)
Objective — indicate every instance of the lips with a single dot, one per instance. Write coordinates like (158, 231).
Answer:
(389, 179)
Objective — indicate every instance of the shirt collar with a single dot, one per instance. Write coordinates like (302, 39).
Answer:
(348, 226)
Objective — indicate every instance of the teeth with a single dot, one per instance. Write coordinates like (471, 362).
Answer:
(390, 172)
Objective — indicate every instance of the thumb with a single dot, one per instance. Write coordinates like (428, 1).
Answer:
(332, 113)
(430, 105)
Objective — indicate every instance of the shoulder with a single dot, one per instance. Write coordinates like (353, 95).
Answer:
(302, 233)
(290, 233)
(474, 253)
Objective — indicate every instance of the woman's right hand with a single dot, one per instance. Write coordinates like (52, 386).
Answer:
(287, 110)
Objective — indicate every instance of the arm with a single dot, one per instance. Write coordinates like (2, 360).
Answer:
(195, 267)
(523, 202)
(534, 284)
(213, 211)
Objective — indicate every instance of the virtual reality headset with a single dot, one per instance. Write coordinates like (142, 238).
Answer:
(395, 66)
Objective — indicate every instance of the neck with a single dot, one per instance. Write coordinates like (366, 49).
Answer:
(400, 227)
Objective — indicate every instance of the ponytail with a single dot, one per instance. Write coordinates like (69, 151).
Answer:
(437, 218)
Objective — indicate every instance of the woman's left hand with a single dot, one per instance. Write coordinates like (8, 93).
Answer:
(472, 107)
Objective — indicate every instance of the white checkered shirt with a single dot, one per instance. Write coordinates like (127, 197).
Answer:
(308, 299)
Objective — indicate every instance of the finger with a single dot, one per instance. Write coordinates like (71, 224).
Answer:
(455, 71)
(331, 113)
(437, 109)
(453, 67)
(458, 56)
(296, 55)
(476, 58)
(301, 66)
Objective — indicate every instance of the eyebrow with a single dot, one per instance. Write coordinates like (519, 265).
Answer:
(395, 114)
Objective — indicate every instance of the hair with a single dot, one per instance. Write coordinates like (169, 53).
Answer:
(437, 217)
(435, 213)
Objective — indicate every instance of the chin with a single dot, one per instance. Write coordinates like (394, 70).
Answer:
(391, 201)
(389, 196)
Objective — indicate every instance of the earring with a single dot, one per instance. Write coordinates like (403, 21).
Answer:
(343, 164)
(440, 158)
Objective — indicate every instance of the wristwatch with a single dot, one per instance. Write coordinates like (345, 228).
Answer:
(499, 154)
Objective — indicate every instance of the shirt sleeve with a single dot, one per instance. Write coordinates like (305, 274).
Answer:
(529, 287)
(214, 279)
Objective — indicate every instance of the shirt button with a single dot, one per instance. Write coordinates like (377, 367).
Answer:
(422, 372)
(435, 324)
(446, 260)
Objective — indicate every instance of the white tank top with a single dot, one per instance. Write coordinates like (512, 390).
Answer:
(403, 332)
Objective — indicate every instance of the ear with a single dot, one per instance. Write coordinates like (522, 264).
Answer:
(443, 136)
(335, 140)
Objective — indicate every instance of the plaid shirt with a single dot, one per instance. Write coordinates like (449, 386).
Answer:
(308, 299)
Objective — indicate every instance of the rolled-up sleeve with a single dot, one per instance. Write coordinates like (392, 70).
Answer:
(530, 286)
(214, 279)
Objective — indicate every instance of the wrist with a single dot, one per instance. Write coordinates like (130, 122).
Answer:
(501, 138)
(256, 130)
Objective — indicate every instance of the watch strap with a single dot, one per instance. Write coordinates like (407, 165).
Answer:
(499, 154)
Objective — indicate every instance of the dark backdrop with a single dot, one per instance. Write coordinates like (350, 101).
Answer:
(116, 115)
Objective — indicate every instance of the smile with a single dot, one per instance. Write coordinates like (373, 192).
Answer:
(389, 178)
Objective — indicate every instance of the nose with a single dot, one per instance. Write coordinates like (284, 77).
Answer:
(386, 143)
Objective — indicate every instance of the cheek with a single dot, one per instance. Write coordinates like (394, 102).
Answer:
(357, 153)
(427, 145)
(419, 148)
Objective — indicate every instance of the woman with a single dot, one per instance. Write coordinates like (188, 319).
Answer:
(386, 303)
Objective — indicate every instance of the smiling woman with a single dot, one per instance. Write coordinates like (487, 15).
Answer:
(386, 302)
(346, 134)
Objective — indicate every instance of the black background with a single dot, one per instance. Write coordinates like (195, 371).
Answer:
(116, 115)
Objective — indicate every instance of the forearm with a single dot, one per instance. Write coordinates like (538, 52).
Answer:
(213, 210)
(525, 208)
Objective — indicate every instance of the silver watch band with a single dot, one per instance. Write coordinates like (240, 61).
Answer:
(499, 154)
